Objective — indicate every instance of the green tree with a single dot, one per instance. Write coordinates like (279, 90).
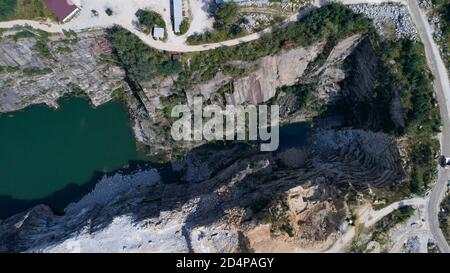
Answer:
(109, 11)
(140, 61)
(148, 19)
(7, 8)
(226, 14)
(184, 26)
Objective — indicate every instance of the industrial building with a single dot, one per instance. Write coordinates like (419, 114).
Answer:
(158, 33)
(63, 9)
(177, 15)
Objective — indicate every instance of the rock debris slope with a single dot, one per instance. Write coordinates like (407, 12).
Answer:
(246, 194)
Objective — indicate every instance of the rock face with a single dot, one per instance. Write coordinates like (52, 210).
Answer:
(361, 86)
(207, 89)
(262, 80)
(365, 68)
(73, 65)
(246, 201)
(360, 150)
(273, 72)
(232, 199)
(332, 72)
(160, 87)
(15, 54)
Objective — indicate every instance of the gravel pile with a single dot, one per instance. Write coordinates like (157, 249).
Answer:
(385, 14)
(412, 245)
(254, 21)
(425, 4)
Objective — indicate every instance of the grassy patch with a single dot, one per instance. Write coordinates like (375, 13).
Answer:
(423, 154)
(36, 71)
(76, 90)
(8, 69)
(444, 217)
(331, 21)
(7, 9)
(141, 62)
(169, 103)
(148, 19)
(25, 9)
(302, 91)
(22, 34)
(227, 24)
(184, 28)
(442, 8)
(276, 216)
(64, 50)
(42, 48)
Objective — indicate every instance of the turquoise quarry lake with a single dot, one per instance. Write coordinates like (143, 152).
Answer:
(43, 150)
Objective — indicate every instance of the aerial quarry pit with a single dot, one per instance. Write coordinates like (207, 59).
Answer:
(363, 94)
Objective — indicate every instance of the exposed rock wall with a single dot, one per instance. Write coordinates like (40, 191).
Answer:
(74, 63)
(364, 88)
(235, 199)
(364, 67)
(358, 157)
(20, 53)
(332, 72)
(273, 72)
(305, 206)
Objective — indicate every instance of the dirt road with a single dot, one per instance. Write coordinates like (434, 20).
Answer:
(442, 89)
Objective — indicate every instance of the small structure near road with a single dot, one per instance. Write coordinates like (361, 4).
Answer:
(158, 33)
(63, 9)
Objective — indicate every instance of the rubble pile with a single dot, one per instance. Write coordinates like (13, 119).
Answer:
(389, 13)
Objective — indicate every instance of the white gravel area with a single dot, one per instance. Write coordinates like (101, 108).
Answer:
(124, 14)
(389, 13)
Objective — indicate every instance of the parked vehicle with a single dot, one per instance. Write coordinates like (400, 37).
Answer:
(444, 161)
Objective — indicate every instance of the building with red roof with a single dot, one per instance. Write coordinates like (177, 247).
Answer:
(63, 9)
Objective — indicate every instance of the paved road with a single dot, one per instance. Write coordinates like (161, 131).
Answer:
(442, 89)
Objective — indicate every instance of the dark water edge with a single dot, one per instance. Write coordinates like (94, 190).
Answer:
(42, 150)
(294, 135)
(59, 200)
(291, 135)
